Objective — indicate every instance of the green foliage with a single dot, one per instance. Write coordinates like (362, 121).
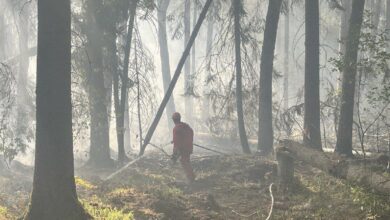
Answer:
(84, 183)
(375, 205)
(100, 211)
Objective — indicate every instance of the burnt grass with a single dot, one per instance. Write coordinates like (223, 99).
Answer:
(226, 187)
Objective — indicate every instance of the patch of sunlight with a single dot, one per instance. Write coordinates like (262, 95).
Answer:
(3, 210)
(84, 183)
(122, 191)
(149, 212)
(4, 213)
(375, 206)
(168, 192)
(156, 177)
(101, 211)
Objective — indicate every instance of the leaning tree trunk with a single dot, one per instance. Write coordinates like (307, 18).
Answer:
(175, 77)
(312, 126)
(54, 190)
(266, 133)
(164, 55)
(344, 131)
(237, 6)
(99, 138)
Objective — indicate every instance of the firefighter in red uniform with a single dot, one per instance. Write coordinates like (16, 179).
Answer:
(183, 136)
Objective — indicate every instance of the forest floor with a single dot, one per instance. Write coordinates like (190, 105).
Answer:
(227, 187)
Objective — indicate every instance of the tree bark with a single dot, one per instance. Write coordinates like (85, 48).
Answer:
(124, 88)
(54, 191)
(286, 56)
(100, 147)
(188, 89)
(209, 41)
(237, 7)
(344, 131)
(164, 55)
(312, 126)
(387, 73)
(22, 79)
(344, 25)
(175, 77)
(266, 133)
(376, 14)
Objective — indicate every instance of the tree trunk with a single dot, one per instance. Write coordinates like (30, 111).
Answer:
(175, 77)
(127, 135)
(99, 138)
(387, 73)
(238, 7)
(376, 14)
(266, 133)
(286, 55)
(164, 55)
(193, 58)
(54, 190)
(312, 126)
(344, 131)
(344, 25)
(124, 88)
(188, 89)
(209, 41)
(362, 172)
(22, 79)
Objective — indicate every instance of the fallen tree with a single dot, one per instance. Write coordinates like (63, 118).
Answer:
(366, 172)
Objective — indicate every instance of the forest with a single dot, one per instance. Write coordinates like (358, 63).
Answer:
(194, 109)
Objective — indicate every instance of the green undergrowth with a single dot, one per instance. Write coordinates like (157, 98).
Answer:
(101, 211)
(376, 206)
(4, 213)
(330, 198)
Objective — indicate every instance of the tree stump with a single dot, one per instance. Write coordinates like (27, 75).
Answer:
(285, 160)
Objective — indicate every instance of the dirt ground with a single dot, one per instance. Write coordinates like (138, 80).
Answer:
(226, 187)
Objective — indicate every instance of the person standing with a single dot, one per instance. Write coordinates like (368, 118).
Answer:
(183, 137)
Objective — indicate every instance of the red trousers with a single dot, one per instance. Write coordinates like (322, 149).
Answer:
(186, 164)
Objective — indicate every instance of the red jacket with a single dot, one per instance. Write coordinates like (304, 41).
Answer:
(183, 137)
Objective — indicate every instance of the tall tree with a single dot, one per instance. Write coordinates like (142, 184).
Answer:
(238, 10)
(286, 55)
(99, 130)
(121, 108)
(54, 191)
(344, 132)
(265, 132)
(164, 55)
(387, 73)
(22, 79)
(312, 127)
(188, 89)
(209, 42)
(344, 23)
